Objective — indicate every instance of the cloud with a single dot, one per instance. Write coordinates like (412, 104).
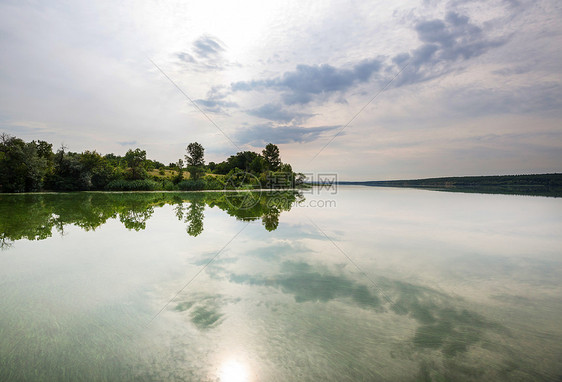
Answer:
(401, 58)
(95, 91)
(215, 106)
(127, 143)
(456, 37)
(206, 46)
(216, 101)
(206, 53)
(275, 112)
(306, 82)
(186, 57)
(260, 135)
(444, 41)
(511, 4)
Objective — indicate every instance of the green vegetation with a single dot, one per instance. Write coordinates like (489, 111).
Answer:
(194, 160)
(34, 216)
(33, 166)
(540, 185)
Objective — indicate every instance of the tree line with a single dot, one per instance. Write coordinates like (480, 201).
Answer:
(525, 184)
(34, 166)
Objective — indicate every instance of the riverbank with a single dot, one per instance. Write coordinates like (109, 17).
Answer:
(535, 184)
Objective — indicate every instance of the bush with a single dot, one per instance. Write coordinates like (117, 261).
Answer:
(176, 179)
(168, 185)
(132, 185)
(136, 173)
(191, 185)
(213, 183)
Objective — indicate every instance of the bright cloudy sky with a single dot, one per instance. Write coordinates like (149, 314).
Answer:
(477, 85)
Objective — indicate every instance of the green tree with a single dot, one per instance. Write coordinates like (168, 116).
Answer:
(258, 165)
(179, 168)
(271, 156)
(195, 159)
(70, 173)
(243, 160)
(22, 168)
(135, 160)
(98, 169)
(45, 150)
(114, 160)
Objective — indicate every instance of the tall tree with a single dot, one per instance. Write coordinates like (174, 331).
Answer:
(195, 159)
(271, 156)
(135, 160)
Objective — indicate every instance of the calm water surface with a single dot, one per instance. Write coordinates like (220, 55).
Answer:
(365, 284)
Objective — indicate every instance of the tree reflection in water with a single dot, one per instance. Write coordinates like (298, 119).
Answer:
(34, 216)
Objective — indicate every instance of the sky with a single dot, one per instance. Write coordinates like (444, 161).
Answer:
(367, 90)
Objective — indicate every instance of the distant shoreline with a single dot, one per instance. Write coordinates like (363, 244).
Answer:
(536, 184)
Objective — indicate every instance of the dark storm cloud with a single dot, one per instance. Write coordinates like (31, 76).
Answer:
(445, 41)
(260, 135)
(308, 81)
(275, 112)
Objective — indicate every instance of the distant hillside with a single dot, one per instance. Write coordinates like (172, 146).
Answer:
(540, 184)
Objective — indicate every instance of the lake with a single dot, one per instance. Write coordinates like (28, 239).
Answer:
(352, 284)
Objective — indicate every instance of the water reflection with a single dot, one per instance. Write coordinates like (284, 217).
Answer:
(442, 325)
(309, 284)
(233, 371)
(204, 310)
(281, 302)
(34, 217)
(338, 313)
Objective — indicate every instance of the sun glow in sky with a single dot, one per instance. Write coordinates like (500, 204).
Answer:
(457, 87)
